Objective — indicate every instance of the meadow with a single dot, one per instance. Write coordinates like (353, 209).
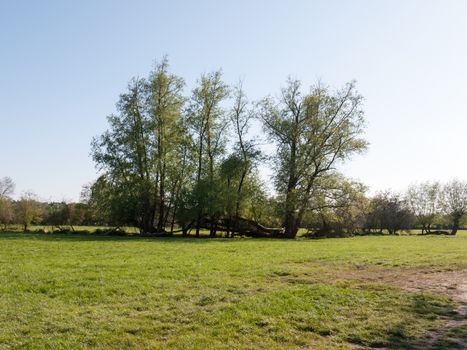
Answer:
(70, 291)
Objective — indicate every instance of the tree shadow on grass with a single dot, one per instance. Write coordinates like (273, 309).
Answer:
(430, 308)
(102, 237)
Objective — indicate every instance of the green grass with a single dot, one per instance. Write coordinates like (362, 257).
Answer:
(85, 291)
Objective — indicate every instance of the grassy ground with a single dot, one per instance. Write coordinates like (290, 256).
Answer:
(81, 292)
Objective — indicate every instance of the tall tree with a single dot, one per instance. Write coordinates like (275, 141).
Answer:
(313, 132)
(140, 147)
(238, 167)
(207, 121)
(125, 153)
(166, 102)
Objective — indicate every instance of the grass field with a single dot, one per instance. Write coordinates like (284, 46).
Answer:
(66, 291)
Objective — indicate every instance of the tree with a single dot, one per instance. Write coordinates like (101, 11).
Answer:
(116, 204)
(238, 167)
(207, 122)
(454, 199)
(388, 212)
(140, 149)
(60, 214)
(7, 187)
(313, 132)
(338, 206)
(28, 210)
(424, 201)
(166, 102)
(6, 212)
(124, 153)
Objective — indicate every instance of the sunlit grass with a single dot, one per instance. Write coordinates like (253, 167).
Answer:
(86, 291)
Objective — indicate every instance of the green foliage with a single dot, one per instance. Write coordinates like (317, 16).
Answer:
(425, 202)
(388, 211)
(142, 150)
(339, 205)
(6, 211)
(28, 210)
(312, 131)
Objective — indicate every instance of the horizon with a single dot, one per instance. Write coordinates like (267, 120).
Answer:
(64, 68)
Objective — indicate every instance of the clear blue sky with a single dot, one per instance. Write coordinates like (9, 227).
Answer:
(64, 63)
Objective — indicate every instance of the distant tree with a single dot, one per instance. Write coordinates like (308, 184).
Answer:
(6, 212)
(454, 201)
(28, 210)
(60, 214)
(90, 213)
(7, 187)
(388, 212)
(424, 201)
(56, 214)
(313, 131)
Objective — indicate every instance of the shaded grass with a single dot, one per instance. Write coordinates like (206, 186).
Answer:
(453, 339)
(87, 291)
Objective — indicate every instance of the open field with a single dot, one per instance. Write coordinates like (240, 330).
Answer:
(80, 292)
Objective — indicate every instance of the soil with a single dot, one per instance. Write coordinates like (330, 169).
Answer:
(451, 283)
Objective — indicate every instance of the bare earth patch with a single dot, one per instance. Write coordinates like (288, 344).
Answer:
(451, 283)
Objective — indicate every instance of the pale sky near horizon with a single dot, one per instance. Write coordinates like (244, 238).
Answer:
(64, 63)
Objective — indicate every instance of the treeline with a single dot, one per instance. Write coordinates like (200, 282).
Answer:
(431, 207)
(29, 210)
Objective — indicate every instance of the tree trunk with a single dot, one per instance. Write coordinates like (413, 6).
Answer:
(455, 227)
(198, 178)
(213, 230)
(455, 224)
(290, 224)
(290, 220)
(161, 221)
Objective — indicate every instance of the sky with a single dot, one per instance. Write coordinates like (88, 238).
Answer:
(63, 65)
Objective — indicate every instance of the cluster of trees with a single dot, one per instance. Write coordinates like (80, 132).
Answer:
(431, 207)
(175, 162)
(28, 210)
(433, 204)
